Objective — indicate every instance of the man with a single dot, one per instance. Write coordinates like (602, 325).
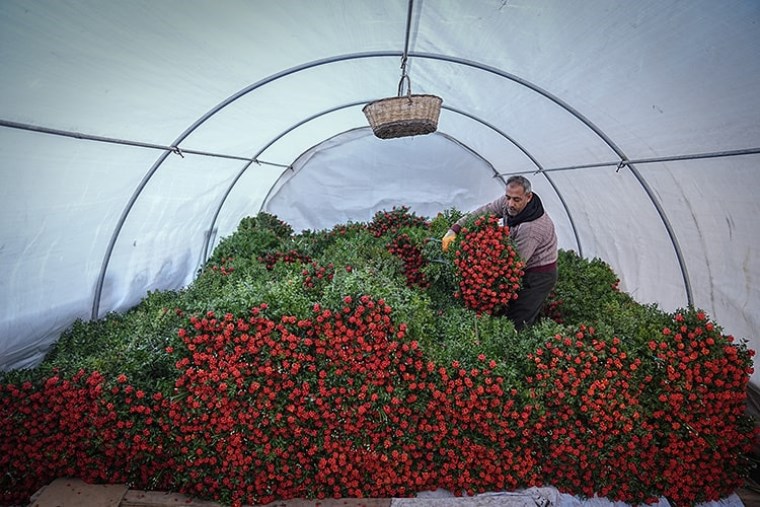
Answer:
(532, 230)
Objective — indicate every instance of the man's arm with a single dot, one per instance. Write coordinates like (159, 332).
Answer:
(495, 207)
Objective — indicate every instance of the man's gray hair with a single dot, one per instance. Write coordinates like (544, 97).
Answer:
(522, 181)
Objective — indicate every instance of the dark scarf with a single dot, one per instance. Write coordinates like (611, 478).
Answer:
(533, 210)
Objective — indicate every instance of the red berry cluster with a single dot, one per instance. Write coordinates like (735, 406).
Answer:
(224, 267)
(316, 276)
(403, 247)
(346, 229)
(290, 257)
(552, 308)
(489, 270)
(389, 222)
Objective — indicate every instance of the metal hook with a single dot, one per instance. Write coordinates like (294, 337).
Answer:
(405, 77)
(177, 151)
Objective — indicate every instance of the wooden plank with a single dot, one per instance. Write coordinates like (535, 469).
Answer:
(137, 498)
(77, 493)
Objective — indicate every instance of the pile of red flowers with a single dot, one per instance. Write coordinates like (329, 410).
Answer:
(489, 269)
(339, 405)
(345, 404)
(635, 427)
(700, 409)
(389, 222)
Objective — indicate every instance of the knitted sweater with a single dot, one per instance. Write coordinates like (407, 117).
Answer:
(536, 242)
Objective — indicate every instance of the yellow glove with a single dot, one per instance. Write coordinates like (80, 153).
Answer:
(448, 239)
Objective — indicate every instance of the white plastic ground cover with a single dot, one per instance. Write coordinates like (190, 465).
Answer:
(533, 497)
(536, 87)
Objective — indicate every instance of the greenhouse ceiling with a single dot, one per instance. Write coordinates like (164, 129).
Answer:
(135, 135)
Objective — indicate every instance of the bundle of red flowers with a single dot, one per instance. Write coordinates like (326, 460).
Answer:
(489, 269)
(411, 255)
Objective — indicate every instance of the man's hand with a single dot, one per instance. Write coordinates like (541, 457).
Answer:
(448, 239)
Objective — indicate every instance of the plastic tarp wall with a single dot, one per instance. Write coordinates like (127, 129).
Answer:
(134, 135)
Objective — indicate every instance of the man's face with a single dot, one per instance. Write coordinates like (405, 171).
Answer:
(517, 199)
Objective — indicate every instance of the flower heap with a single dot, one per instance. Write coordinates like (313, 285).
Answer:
(596, 436)
(344, 404)
(476, 431)
(43, 431)
(80, 427)
(700, 409)
(293, 408)
(389, 222)
(603, 434)
(489, 269)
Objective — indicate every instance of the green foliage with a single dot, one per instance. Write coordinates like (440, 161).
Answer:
(631, 321)
(463, 337)
(357, 248)
(213, 290)
(133, 343)
(283, 296)
(313, 243)
(255, 236)
(439, 270)
(443, 221)
(585, 289)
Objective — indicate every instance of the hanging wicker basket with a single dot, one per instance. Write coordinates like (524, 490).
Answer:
(409, 115)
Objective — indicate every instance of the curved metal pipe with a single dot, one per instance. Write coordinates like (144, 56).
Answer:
(540, 170)
(599, 132)
(446, 136)
(475, 118)
(200, 121)
(381, 54)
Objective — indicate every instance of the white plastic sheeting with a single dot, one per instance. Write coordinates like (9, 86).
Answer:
(532, 497)
(128, 132)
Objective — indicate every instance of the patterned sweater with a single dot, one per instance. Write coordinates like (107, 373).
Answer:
(536, 241)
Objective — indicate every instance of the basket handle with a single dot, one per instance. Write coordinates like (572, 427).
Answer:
(405, 77)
